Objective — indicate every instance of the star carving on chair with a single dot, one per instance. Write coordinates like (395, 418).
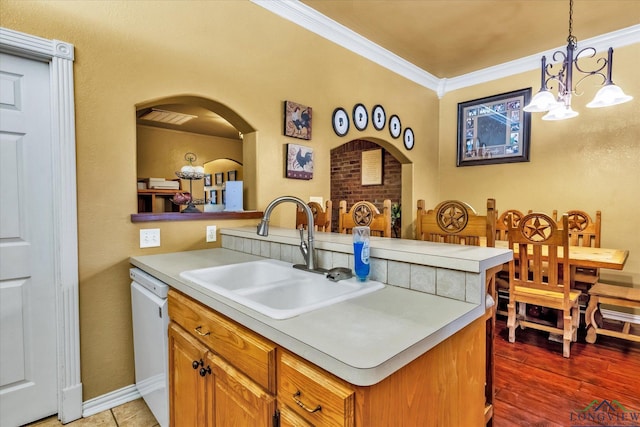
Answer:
(452, 217)
(537, 230)
(362, 215)
(577, 222)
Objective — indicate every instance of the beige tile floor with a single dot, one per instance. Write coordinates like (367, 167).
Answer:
(131, 414)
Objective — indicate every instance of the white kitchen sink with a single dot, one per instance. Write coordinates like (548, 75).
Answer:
(276, 289)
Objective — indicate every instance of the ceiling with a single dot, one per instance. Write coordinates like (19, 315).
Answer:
(450, 38)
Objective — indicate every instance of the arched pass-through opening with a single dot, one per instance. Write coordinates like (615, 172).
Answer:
(169, 127)
(396, 183)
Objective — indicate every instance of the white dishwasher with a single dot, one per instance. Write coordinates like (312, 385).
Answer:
(150, 341)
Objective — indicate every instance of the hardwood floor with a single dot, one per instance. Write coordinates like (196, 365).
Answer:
(536, 386)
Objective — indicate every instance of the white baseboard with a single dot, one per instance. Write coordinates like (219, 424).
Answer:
(110, 400)
(622, 317)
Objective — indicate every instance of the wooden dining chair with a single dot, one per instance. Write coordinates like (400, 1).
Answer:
(502, 223)
(502, 277)
(453, 221)
(365, 213)
(456, 222)
(321, 217)
(584, 231)
(539, 274)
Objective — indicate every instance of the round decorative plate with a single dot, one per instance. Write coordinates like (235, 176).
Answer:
(340, 121)
(395, 128)
(409, 139)
(378, 117)
(360, 117)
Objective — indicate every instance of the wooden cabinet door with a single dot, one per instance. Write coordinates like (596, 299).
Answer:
(188, 390)
(238, 400)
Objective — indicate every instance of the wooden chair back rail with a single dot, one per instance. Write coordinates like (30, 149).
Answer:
(456, 222)
(583, 230)
(364, 213)
(502, 223)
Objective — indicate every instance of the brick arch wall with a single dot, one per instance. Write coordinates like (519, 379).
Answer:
(346, 181)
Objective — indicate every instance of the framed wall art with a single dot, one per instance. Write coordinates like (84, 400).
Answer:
(231, 175)
(297, 120)
(494, 129)
(299, 162)
(371, 167)
(207, 180)
(219, 178)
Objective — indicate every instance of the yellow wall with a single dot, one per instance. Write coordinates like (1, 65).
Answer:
(591, 162)
(247, 58)
(160, 152)
(232, 52)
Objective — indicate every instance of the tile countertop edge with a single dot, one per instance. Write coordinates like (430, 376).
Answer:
(472, 259)
(167, 268)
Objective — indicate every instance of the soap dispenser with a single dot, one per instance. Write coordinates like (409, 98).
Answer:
(361, 252)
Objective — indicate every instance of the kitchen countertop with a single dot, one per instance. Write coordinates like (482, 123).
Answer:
(362, 340)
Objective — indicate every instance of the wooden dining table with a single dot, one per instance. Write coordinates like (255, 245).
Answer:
(581, 256)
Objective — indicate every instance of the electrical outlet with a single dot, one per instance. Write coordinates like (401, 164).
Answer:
(150, 238)
(211, 233)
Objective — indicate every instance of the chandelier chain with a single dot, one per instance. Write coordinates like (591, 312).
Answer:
(571, 39)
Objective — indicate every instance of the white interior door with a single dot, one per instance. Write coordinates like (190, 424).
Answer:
(28, 366)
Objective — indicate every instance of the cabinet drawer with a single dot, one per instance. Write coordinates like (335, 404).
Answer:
(250, 353)
(288, 418)
(313, 394)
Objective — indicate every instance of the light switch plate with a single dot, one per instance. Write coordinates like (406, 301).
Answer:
(150, 238)
(211, 233)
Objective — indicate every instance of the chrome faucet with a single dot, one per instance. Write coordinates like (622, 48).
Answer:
(307, 247)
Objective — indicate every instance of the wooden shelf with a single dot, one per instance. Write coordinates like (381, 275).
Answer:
(178, 216)
(147, 200)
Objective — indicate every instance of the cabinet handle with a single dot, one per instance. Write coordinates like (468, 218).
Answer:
(205, 371)
(202, 334)
(195, 363)
(303, 406)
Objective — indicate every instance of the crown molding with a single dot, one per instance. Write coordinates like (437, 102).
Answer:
(303, 15)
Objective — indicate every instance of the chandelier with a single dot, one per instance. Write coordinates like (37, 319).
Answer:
(559, 107)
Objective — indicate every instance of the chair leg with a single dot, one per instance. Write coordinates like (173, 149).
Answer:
(511, 321)
(576, 322)
(569, 330)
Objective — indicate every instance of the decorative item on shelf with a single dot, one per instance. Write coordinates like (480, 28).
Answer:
(190, 173)
(559, 108)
